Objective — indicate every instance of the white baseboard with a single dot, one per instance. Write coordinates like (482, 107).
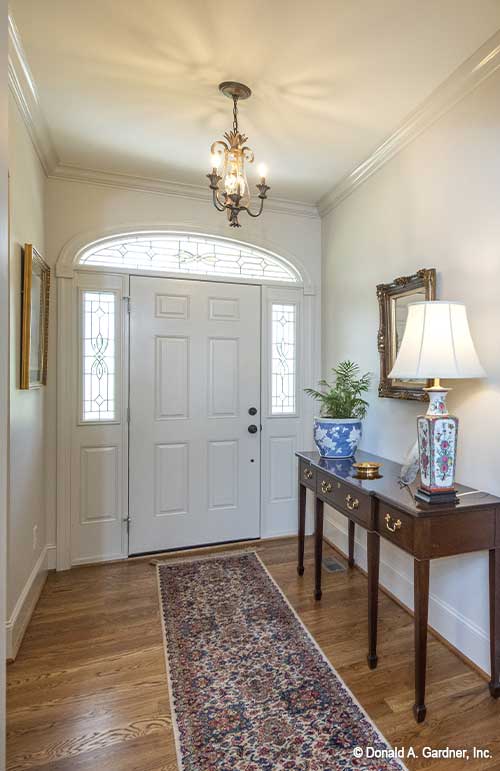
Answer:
(462, 633)
(51, 556)
(98, 558)
(271, 534)
(25, 605)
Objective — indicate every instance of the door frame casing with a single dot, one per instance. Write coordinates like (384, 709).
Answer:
(67, 369)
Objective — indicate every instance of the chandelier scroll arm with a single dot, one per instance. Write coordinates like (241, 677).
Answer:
(248, 154)
(216, 151)
(216, 200)
(262, 188)
(255, 214)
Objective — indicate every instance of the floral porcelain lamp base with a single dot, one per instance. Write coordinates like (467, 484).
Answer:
(437, 445)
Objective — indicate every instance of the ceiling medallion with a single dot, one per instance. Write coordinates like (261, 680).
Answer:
(230, 191)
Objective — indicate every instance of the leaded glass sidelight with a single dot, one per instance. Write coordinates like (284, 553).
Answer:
(189, 253)
(284, 359)
(98, 356)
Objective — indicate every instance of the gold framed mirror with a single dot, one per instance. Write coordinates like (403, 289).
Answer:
(34, 318)
(393, 300)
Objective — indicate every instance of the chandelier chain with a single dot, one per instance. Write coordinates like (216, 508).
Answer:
(235, 114)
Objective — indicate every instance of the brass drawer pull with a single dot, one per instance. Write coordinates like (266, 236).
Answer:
(351, 503)
(326, 487)
(392, 525)
(308, 474)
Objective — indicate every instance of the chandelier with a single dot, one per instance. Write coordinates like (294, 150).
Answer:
(230, 191)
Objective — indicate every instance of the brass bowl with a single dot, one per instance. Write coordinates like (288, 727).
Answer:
(367, 470)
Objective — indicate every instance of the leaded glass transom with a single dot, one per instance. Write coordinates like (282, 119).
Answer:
(98, 356)
(284, 359)
(183, 253)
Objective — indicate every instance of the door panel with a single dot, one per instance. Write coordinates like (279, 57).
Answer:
(99, 484)
(223, 377)
(171, 377)
(223, 474)
(171, 479)
(195, 372)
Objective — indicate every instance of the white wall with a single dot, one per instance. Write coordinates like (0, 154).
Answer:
(436, 204)
(27, 408)
(75, 208)
(4, 365)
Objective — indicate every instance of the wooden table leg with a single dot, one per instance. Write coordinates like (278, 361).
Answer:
(302, 529)
(421, 600)
(318, 547)
(495, 622)
(373, 545)
(351, 543)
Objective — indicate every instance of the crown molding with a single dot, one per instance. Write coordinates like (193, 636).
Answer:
(24, 91)
(122, 180)
(467, 77)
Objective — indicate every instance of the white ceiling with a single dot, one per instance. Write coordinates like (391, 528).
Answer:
(131, 86)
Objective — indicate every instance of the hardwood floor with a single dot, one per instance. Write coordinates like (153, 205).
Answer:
(88, 690)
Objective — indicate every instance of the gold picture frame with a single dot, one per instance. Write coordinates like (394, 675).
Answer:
(393, 300)
(35, 293)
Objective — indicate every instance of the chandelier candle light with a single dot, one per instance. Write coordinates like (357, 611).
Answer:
(437, 344)
(230, 191)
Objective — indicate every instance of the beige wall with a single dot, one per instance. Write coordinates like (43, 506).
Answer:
(436, 204)
(88, 210)
(27, 408)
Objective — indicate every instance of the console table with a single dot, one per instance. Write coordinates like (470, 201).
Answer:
(386, 509)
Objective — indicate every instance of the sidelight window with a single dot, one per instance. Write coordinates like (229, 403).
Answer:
(284, 359)
(98, 356)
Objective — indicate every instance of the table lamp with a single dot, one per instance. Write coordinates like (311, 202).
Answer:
(437, 344)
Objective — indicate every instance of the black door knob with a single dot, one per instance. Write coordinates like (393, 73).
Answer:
(252, 411)
(252, 429)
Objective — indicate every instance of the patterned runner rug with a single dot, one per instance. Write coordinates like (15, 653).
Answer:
(250, 689)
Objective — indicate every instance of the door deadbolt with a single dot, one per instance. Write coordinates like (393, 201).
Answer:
(252, 411)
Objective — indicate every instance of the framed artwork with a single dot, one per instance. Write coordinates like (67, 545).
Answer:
(34, 318)
(393, 301)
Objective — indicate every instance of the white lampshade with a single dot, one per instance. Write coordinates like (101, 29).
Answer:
(437, 343)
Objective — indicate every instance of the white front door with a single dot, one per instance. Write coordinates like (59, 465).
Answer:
(194, 376)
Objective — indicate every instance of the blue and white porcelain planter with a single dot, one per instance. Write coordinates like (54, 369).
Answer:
(337, 438)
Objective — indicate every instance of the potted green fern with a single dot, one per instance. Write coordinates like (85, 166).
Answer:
(337, 432)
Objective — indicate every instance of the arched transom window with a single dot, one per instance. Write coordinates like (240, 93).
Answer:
(189, 253)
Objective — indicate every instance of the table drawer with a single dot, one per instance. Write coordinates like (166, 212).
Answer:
(307, 475)
(353, 503)
(396, 526)
(458, 533)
